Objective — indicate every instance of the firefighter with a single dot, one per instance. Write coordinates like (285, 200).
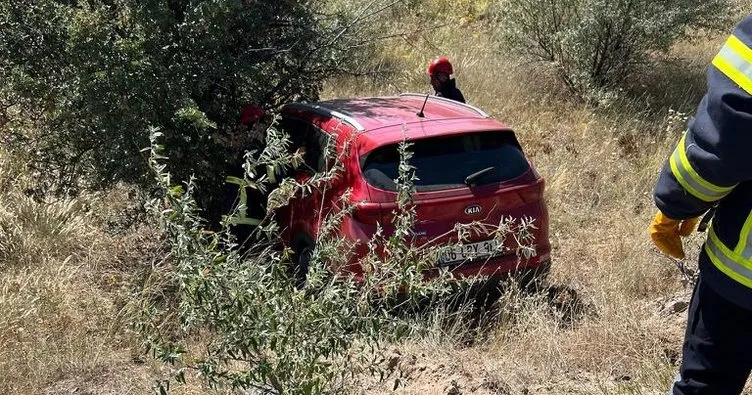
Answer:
(440, 71)
(711, 169)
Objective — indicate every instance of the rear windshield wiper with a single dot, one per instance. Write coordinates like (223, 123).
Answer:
(472, 178)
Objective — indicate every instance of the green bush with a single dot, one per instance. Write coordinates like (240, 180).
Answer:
(88, 78)
(237, 321)
(595, 45)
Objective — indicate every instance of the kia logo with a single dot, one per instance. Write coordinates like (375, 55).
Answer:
(472, 210)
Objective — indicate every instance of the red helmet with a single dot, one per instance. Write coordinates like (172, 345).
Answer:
(440, 65)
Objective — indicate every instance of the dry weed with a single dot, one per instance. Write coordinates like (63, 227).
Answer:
(600, 166)
(64, 265)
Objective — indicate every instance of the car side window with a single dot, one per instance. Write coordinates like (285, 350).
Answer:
(321, 145)
(312, 140)
(296, 129)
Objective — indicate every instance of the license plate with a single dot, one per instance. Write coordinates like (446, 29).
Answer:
(470, 251)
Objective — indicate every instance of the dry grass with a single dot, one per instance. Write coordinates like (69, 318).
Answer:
(63, 277)
(600, 166)
(62, 283)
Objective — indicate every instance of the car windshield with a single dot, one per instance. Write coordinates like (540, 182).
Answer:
(473, 159)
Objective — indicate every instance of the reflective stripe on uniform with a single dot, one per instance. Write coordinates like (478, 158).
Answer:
(744, 247)
(727, 261)
(691, 180)
(735, 62)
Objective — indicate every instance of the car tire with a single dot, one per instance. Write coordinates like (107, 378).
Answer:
(303, 255)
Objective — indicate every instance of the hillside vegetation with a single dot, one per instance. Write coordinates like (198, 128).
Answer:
(611, 323)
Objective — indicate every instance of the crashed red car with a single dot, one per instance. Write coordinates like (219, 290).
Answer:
(469, 166)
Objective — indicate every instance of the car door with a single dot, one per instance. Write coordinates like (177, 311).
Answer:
(306, 209)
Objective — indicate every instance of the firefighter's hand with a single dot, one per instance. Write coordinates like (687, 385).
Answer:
(667, 233)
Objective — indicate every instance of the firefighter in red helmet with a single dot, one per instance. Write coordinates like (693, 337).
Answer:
(440, 71)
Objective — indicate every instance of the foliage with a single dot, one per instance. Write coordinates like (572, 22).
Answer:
(84, 79)
(238, 320)
(596, 45)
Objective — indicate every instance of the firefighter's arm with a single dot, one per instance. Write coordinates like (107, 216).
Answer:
(715, 154)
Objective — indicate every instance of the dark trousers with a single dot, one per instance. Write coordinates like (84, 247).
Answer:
(717, 353)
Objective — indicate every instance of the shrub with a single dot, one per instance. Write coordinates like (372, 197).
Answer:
(92, 76)
(595, 45)
(238, 320)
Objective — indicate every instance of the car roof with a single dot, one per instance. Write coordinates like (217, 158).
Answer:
(376, 121)
(367, 114)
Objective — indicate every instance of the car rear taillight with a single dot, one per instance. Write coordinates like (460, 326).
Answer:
(532, 194)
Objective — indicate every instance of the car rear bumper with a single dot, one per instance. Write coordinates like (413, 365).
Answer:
(497, 268)
(489, 273)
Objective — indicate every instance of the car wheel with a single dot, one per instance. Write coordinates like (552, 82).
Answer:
(303, 257)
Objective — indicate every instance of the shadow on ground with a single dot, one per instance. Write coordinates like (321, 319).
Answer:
(469, 316)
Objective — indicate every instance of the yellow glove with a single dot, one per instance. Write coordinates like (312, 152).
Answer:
(688, 226)
(667, 233)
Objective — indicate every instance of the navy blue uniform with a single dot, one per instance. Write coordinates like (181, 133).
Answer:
(450, 91)
(711, 166)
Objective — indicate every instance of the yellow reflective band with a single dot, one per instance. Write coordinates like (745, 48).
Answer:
(691, 180)
(740, 48)
(733, 265)
(696, 176)
(735, 62)
(744, 247)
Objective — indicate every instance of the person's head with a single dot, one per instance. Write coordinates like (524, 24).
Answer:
(249, 128)
(439, 70)
(250, 114)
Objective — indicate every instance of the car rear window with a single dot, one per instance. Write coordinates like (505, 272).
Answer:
(446, 162)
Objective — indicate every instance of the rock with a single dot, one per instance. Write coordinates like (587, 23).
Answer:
(675, 306)
(453, 388)
(680, 306)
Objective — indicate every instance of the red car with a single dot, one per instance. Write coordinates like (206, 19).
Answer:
(469, 167)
